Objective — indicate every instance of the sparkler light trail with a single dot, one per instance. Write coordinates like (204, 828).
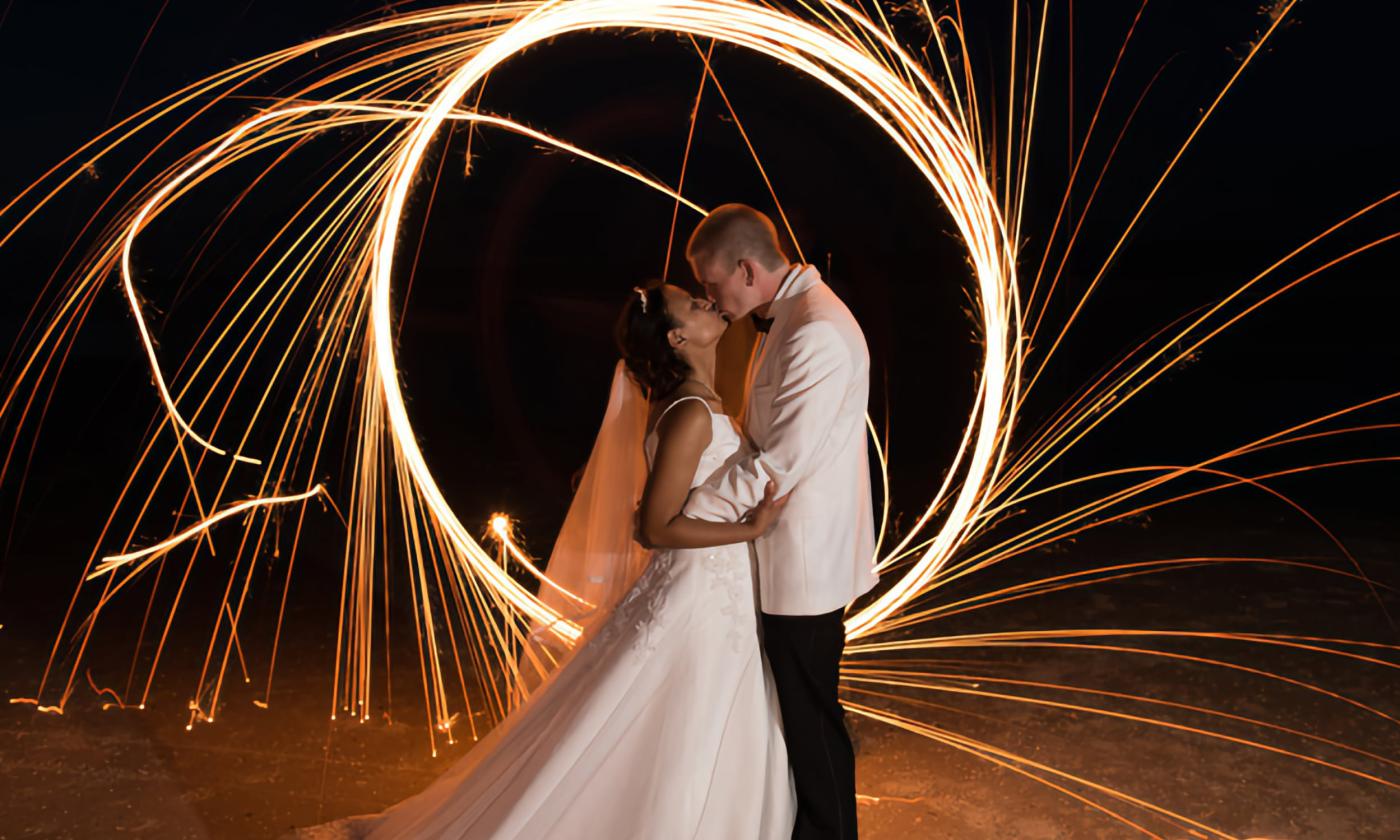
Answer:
(320, 294)
(116, 561)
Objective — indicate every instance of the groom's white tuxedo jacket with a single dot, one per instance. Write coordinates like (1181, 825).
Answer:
(809, 386)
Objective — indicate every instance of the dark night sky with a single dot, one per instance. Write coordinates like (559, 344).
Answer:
(507, 338)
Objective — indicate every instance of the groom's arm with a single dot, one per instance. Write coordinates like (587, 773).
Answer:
(817, 374)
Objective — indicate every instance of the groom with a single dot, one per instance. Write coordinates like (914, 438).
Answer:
(808, 384)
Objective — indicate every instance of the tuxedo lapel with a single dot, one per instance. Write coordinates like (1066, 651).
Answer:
(760, 348)
(749, 373)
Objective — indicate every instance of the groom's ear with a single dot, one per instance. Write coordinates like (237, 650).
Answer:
(747, 266)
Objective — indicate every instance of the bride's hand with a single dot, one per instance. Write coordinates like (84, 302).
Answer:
(766, 513)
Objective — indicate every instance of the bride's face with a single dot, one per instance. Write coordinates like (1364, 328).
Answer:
(697, 321)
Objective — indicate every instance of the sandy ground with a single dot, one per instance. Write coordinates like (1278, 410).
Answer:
(257, 772)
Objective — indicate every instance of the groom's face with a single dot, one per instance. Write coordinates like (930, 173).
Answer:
(727, 283)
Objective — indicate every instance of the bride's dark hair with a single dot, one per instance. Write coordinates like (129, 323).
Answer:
(641, 339)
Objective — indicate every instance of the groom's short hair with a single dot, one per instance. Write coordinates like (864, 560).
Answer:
(736, 231)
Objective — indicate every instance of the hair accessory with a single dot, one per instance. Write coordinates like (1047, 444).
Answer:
(642, 295)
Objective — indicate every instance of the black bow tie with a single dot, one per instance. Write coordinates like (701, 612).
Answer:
(760, 323)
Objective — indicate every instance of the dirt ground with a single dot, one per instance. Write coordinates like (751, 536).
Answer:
(258, 772)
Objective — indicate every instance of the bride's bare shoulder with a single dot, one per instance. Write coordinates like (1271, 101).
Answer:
(680, 416)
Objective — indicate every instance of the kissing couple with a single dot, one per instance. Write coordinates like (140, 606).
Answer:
(700, 701)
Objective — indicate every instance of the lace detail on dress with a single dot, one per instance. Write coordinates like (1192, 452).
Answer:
(638, 608)
(724, 569)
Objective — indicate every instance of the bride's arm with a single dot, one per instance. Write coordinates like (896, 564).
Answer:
(682, 435)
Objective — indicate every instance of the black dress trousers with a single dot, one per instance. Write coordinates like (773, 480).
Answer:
(804, 652)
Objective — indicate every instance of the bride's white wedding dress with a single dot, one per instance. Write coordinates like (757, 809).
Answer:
(662, 725)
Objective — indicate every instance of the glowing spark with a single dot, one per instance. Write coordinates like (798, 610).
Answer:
(500, 526)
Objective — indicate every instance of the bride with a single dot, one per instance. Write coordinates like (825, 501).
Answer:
(663, 722)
